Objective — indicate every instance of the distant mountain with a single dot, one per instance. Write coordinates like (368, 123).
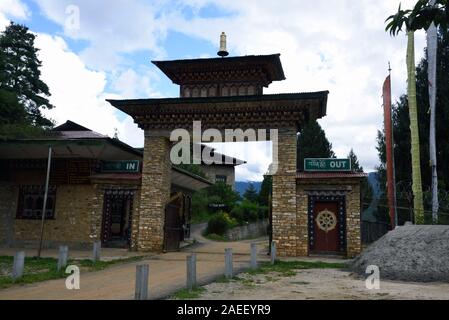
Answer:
(373, 179)
(369, 213)
(241, 186)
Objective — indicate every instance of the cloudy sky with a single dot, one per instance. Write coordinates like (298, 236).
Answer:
(94, 50)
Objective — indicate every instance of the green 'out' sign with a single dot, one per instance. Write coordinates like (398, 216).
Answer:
(326, 165)
(130, 166)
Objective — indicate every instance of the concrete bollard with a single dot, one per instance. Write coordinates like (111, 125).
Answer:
(63, 255)
(18, 265)
(96, 253)
(191, 272)
(229, 268)
(273, 252)
(253, 256)
(142, 275)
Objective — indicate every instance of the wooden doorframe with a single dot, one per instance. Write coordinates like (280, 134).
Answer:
(341, 200)
(110, 193)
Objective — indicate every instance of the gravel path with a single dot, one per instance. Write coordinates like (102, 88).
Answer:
(320, 284)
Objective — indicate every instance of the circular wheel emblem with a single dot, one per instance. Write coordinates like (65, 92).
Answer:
(326, 220)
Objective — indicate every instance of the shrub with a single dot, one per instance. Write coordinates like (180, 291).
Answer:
(246, 212)
(263, 212)
(220, 223)
(203, 201)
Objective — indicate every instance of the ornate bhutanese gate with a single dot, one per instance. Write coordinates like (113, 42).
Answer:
(222, 93)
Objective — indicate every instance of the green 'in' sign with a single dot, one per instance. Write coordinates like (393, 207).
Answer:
(326, 165)
(121, 166)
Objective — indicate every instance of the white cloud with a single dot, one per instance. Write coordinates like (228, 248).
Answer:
(339, 46)
(258, 156)
(78, 93)
(111, 27)
(12, 9)
(131, 84)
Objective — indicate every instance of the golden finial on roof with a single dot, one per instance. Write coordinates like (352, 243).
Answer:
(223, 52)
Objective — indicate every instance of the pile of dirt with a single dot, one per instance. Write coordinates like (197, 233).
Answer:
(409, 253)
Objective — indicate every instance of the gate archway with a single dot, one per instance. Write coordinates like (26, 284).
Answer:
(227, 96)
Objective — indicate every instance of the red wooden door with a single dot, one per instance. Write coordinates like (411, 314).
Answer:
(326, 228)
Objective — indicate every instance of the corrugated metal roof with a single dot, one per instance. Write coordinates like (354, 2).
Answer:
(79, 135)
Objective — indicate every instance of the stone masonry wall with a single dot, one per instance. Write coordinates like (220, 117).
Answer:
(72, 223)
(284, 193)
(155, 193)
(353, 213)
(8, 205)
(302, 220)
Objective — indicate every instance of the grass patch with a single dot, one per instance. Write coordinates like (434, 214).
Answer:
(89, 265)
(185, 294)
(200, 217)
(271, 279)
(216, 237)
(43, 269)
(222, 279)
(245, 281)
(288, 268)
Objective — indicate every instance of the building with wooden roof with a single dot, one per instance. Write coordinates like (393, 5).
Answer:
(94, 190)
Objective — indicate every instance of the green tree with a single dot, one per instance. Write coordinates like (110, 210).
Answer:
(265, 190)
(251, 194)
(20, 74)
(11, 112)
(312, 143)
(224, 193)
(365, 188)
(355, 165)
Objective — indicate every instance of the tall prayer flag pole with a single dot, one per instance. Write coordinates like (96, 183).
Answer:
(391, 185)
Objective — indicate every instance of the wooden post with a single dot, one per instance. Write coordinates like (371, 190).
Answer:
(18, 266)
(229, 269)
(273, 252)
(253, 256)
(96, 254)
(44, 207)
(62, 257)
(191, 272)
(142, 275)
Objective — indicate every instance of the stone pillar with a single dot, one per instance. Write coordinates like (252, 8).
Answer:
(96, 217)
(353, 228)
(302, 220)
(155, 192)
(284, 193)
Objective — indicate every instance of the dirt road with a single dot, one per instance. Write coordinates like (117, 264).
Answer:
(167, 274)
